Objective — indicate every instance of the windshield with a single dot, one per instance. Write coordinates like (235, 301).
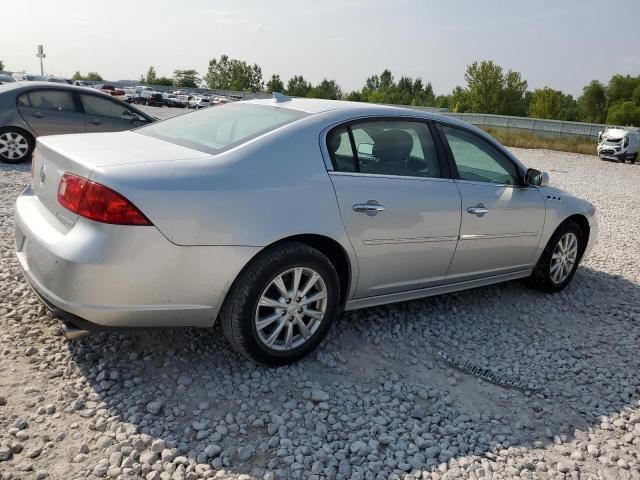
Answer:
(215, 129)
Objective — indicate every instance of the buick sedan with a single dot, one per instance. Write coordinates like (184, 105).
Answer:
(272, 216)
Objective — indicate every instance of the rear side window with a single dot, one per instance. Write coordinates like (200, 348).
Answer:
(216, 129)
(52, 100)
(385, 147)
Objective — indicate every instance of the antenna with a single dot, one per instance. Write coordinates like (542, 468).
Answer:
(280, 97)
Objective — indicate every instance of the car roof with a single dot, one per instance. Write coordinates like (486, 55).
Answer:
(316, 106)
(25, 84)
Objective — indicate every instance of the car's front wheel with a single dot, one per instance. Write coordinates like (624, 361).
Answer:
(282, 305)
(559, 260)
(16, 145)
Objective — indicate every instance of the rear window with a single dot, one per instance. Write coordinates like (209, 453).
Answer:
(216, 129)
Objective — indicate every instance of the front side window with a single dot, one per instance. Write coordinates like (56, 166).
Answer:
(385, 147)
(215, 129)
(103, 107)
(52, 100)
(479, 161)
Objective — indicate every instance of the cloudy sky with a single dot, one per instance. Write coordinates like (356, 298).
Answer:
(560, 43)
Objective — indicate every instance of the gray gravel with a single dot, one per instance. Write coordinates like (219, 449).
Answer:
(375, 402)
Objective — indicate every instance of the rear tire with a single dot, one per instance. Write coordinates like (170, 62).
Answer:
(264, 316)
(634, 157)
(16, 145)
(559, 261)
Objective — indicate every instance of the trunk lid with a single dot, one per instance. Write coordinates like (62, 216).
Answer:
(79, 154)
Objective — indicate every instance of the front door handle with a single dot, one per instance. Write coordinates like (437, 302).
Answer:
(479, 210)
(37, 114)
(95, 121)
(370, 208)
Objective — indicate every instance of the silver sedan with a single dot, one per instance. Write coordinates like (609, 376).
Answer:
(275, 215)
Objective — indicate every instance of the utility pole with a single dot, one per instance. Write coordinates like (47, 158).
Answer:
(41, 55)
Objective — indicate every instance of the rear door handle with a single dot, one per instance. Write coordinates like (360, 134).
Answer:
(37, 114)
(479, 210)
(95, 121)
(371, 208)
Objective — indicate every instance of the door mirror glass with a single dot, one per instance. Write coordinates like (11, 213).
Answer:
(365, 149)
(536, 178)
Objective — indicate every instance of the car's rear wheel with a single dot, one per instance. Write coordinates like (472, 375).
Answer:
(16, 145)
(282, 305)
(559, 260)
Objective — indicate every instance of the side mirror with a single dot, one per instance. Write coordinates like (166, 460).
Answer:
(536, 178)
(365, 149)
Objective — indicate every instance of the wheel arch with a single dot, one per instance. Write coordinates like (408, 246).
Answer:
(328, 246)
(22, 130)
(585, 229)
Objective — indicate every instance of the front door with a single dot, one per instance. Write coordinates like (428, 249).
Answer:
(401, 212)
(51, 111)
(502, 219)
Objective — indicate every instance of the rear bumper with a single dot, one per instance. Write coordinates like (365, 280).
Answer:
(120, 276)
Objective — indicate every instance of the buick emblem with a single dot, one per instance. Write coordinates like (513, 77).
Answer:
(43, 174)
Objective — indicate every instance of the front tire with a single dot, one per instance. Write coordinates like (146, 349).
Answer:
(559, 260)
(282, 305)
(16, 145)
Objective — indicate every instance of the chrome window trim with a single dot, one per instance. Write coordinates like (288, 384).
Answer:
(390, 177)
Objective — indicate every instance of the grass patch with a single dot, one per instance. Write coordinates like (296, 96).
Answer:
(520, 139)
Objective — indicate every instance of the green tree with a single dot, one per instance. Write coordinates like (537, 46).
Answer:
(635, 96)
(459, 100)
(275, 84)
(232, 74)
(94, 77)
(621, 88)
(328, 89)
(593, 103)
(552, 104)
(354, 97)
(513, 95)
(484, 85)
(297, 86)
(151, 78)
(185, 78)
(624, 113)
(1, 65)
(166, 81)
(91, 76)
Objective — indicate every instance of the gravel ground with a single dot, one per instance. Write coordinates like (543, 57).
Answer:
(376, 402)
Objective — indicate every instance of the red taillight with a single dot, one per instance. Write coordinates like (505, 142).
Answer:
(97, 202)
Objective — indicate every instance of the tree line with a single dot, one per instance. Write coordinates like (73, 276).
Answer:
(488, 89)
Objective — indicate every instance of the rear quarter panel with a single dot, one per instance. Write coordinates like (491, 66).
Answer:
(267, 189)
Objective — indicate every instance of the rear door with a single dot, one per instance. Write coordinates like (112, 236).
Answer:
(51, 111)
(502, 219)
(399, 206)
(102, 114)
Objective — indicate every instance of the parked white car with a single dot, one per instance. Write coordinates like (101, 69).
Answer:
(199, 102)
(619, 144)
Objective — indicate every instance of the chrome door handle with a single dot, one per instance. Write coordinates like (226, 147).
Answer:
(370, 208)
(479, 210)
(37, 115)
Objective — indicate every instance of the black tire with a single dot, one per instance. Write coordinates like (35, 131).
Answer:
(23, 134)
(541, 276)
(634, 157)
(239, 309)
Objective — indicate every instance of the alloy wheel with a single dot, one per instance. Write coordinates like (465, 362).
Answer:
(291, 309)
(13, 145)
(564, 257)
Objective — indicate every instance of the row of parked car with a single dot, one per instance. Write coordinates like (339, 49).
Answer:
(145, 95)
(141, 95)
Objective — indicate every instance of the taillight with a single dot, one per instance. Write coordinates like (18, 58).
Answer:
(97, 202)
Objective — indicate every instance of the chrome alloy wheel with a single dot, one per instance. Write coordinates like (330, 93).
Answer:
(291, 309)
(564, 257)
(13, 145)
